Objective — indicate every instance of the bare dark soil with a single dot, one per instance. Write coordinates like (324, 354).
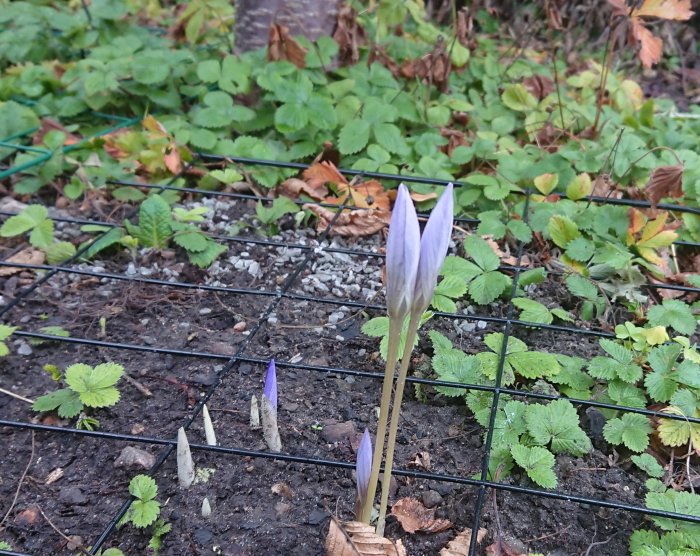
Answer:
(262, 506)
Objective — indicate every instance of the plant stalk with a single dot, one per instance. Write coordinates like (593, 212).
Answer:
(391, 360)
(395, 414)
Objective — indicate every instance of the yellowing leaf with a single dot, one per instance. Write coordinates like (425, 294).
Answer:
(546, 183)
(656, 335)
(676, 433)
(665, 9)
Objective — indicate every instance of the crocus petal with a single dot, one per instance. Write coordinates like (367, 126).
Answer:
(433, 249)
(363, 465)
(402, 253)
(270, 391)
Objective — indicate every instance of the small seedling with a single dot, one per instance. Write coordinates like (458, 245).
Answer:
(35, 219)
(269, 216)
(86, 386)
(5, 333)
(145, 510)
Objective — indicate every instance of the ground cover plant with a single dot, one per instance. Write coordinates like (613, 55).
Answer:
(208, 215)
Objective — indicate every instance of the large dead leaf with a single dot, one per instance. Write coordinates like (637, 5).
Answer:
(353, 538)
(459, 546)
(433, 68)
(294, 187)
(414, 516)
(361, 222)
(665, 181)
(349, 35)
(369, 194)
(651, 46)
(321, 173)
(29, 255)
(281, 46)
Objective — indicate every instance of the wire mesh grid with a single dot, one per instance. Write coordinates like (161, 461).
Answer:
(308, 254)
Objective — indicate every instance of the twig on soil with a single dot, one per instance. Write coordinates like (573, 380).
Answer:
(16, 396)
(548, 535)
(21, 480)
(67, 539)
(136, 384)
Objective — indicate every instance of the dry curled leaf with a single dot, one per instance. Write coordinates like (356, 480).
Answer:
(349, 35)
(353, 538)
(361, 222)
(414, 516)
(281, 46)
(28, 255)
(294, 187)
(459, 546)
(665, 181)
(320, 173)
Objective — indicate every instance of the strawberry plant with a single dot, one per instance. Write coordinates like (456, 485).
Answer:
(144, 511)
(35, 220)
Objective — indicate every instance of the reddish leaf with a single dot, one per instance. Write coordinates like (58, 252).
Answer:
(651, 47)
(319, 174)
(355, 223)
(172, 159)
(281, 46)
(49, 124)
(665, 9)
(665, 181)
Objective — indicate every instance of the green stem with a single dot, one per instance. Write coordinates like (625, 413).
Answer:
(395, 413)
(391, 359)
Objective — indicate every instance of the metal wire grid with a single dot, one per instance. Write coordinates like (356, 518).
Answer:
(310, 252)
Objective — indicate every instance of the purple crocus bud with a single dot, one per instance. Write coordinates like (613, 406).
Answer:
(433, 250)
(363, 466)
(270, 391)
(402, 253)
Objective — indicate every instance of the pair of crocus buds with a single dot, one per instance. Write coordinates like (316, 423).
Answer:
(413, 264)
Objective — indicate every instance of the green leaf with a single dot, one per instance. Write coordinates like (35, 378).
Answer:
(581, 287)
(191, 239)
(354, 136)
(631, 429)
(65, 400)
(6, 331)
(486, 288)
(142, 514)
(562, 314)
(580, 249)
(660, 386)
(154, 222)
(455, 366)
(562, 230)
(459, 267)
(533, 276)
(675, 314)
(150, 68)
(520, 230)
(648, 464)
(389, 136)
(290, 118)
(533, 311)
(205, 258)
(42, 234)
(518, 98)
(30, 217)
(686, 503)
(143, 487)
(209, 71)
(625, 394)
(376, 327)
(95, 385)
(451, 286)
(59, 252)
(482, 254)
(537, 462)
(558, 423)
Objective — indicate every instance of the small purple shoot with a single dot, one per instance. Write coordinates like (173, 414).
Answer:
(270, 391)
(363, 467)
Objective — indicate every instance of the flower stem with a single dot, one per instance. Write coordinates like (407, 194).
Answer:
(391, 359)
(395, 413)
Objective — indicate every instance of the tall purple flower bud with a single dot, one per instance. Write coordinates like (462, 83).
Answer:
(433, 250)
(363, 466)
(402, 253)
(270, 391)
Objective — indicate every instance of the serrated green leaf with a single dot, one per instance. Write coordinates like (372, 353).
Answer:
(144, 513)
(675, 314)
(443, 304)
(204, 259)
(562, 230)
(520, 230)
(617, 351)
(354, 136)
(389, 136)
(686, 503)
(537, 462)
(631, 429)
(558, 423)
(65, 400)
(59, 252)
(95, 385)
(626, 394)
(6, 331)
(143, 487)
(42, 234)
(376, 327)
(481, 253)
(581, 287)
(486, 288)
(660, 386)
(30, 217)
(562, 314)
(455, 366)
(580, 249)
(533, 276)
(290, 118)
(457, 266)
(209, 71)
(440, 341)
(648, 464)
(518, 98)
(451, 286)
(533, 311)
(192, 240)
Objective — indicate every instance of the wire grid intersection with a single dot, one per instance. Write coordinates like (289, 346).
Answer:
(310, 251)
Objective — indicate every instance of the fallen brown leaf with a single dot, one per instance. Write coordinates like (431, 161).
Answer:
(28, 255)
(502, 548)
(349, 35)
(294, 187)
(361, 222)
(353, 538)
(172, 159)
(414, 516)
(459, 546)
(319, 174)
(665, 181)
(27, 518)
(281, 46)
(420, 460)
(370, 195)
